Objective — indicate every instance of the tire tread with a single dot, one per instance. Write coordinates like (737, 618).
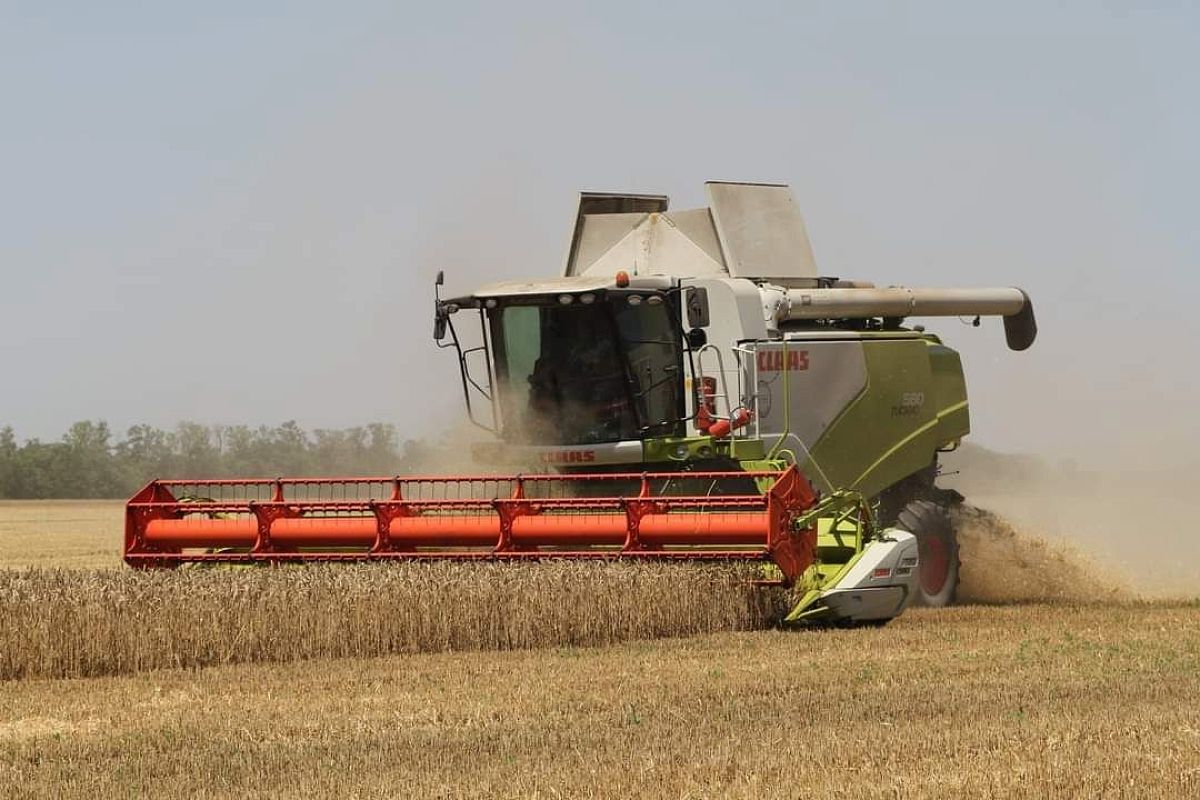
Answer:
(920, 516)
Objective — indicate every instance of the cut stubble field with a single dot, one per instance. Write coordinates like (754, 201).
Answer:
(60, 533)
(1049, 699)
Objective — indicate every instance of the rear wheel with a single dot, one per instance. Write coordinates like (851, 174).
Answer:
(937, 549)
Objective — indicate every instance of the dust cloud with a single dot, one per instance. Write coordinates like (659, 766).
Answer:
(455, 451)
(1033, 529)
(1003, 565)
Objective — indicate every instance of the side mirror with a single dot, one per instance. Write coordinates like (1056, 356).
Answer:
(439, 314)
(697, 307)
(696, 338)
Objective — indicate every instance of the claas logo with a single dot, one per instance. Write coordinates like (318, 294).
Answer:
(568, 456)
(772, 360)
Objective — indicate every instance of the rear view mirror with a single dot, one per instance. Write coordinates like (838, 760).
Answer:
(439, 313)
(697, 307)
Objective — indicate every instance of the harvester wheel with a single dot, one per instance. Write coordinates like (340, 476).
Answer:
(937, 549)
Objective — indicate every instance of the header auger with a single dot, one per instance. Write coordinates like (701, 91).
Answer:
(701, 392)
(491, 517)
(779, 521)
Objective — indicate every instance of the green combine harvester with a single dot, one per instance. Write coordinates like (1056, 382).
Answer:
(691, 387)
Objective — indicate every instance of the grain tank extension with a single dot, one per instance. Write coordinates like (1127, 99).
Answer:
(689, 387)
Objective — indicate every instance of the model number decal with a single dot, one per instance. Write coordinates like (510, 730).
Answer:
(910, 404)
(772, 360)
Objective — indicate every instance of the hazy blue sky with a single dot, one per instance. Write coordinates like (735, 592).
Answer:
(232, 212)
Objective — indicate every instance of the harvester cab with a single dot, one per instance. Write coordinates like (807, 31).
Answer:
(689, 388)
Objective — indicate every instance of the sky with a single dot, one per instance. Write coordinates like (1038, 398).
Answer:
(233, 212)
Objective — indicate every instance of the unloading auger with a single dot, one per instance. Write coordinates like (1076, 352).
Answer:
(699, 391)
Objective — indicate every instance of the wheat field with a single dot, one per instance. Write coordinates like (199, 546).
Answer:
(77, 623)
(430, 681)
(1023, 701)
(60, 533)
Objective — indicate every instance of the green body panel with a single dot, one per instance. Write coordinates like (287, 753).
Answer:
(914, 404)
(949, 394)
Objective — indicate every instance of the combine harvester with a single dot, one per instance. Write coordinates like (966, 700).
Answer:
(694, 389)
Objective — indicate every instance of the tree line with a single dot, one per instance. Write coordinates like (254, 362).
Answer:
(89, 462)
